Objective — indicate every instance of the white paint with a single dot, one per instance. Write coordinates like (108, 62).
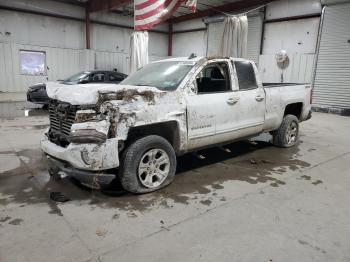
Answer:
(296, 37)
(225, 116)
(290, 8)
(104, 156)
(86, 94)
(185, 44)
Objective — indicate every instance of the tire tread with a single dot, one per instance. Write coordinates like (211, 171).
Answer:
(129, 178)
(279, 134)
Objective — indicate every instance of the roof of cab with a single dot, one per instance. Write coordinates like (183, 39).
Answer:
(182, 59)
(198, 59)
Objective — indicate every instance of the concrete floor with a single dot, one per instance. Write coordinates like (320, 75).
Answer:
(255, 203)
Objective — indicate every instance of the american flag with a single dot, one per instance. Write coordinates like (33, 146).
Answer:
(149, 13)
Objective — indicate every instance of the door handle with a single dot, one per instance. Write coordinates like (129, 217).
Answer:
(259, 98)
(232, 100)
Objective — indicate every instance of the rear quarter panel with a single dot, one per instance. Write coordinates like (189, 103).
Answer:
(277, 98)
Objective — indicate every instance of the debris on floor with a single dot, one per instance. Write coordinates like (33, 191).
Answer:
(253, 161)
(265, 161)
(16, 221)
(101, 232)
(59, 197)
(4, 219)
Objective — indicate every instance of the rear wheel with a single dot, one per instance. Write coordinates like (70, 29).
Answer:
(287, 134)
(148, 164)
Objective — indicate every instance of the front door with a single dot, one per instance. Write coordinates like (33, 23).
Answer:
(211, 105)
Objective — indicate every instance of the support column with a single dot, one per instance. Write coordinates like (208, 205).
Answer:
(170, 40)
(87, 27)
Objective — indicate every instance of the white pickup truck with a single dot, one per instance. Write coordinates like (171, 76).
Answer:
(134, 131)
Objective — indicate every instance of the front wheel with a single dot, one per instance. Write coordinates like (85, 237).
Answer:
(148, 164)
(287, 134)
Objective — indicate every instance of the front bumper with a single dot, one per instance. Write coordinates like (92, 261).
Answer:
(95, 180)
(88, 157)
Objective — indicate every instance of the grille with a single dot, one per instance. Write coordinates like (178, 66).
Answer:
(62, 117)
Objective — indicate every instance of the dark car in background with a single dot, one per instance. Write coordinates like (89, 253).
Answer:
(37, 93)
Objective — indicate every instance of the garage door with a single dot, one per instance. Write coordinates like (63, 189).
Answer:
(332, 84)
(254, 37)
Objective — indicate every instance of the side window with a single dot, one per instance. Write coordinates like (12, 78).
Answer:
(97, 77)
(114, 77)
(214, 78)
(245, 75)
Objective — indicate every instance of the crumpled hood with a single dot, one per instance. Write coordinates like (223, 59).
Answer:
(87, 94)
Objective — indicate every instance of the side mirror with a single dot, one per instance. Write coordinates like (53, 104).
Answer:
(193, 87)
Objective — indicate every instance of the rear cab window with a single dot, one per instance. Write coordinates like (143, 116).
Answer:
(246, 75)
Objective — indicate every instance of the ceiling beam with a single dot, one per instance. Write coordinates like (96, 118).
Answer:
(71, 2)
(106, 5)
(240, 5)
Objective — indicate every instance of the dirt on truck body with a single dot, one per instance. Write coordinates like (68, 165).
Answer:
(134, 131)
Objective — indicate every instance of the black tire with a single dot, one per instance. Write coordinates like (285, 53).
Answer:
(280, 135)
(131, 159)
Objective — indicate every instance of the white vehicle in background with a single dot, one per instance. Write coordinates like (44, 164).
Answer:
(134, 131)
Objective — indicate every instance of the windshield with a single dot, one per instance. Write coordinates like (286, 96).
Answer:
(162, 75)
(76, 78)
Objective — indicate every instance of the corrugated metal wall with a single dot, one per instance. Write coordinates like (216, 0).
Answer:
(332, 83)
(110, 61)
(298, 71)
(60, 63)
(299, 39)
(255, 25)
(254, 37)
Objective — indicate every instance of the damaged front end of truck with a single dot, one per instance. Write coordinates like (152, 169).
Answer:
(84, 142)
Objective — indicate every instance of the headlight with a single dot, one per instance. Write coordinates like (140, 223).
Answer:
(88, 136)
(85, 116)
(89, 132)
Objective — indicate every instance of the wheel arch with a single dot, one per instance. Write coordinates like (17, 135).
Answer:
(295, 109)
(169, 130)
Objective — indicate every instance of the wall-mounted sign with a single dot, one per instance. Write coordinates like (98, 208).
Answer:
(32, 63)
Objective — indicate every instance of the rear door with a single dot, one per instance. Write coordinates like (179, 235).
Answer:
(251, 102)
